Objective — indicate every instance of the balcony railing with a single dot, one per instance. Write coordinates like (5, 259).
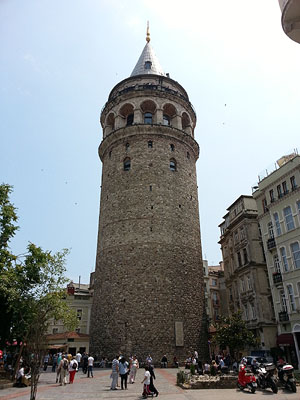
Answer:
(283, 316)
(271, 244)
(277, 278)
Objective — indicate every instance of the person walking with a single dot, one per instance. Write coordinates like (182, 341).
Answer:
(84, 363)
(134, 365)
(90, 366)
(152, 388)
(63, 370)
(114, 373)
(146, 383)
(54, 362)
(73, 368)
(78, 358)
(123, 370)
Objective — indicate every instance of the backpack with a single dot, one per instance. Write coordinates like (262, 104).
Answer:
(74, 366)
(65, 365)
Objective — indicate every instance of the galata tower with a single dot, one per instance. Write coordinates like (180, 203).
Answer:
(148, 290)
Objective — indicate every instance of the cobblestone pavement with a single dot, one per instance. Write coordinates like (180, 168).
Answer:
(99, 388)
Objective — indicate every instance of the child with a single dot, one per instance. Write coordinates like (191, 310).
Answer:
(146, 382)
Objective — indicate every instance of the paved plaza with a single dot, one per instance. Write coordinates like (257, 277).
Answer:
(99, 388)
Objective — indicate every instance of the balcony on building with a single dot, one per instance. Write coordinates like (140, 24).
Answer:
(283, 316)
(277, 278)
(290, 18)
(271, 244)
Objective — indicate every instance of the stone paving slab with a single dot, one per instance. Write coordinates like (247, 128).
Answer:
(99, 388)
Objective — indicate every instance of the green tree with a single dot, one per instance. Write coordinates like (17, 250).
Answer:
(232, 332)
(32, 291)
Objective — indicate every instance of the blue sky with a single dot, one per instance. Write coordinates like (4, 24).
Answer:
(60, 59)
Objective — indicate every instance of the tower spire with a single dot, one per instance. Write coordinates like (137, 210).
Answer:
(148, 33)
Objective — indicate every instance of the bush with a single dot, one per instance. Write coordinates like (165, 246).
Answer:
(192, 369)
(180, 378)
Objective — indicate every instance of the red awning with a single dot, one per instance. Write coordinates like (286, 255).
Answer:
(285, 339)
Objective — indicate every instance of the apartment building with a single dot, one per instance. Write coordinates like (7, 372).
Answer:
(278, 202)
(245, 271)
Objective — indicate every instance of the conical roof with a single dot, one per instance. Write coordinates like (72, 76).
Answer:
(148, 62)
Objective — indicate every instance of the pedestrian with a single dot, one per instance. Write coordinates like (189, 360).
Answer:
(90, 366)
(134, 365)
(46, 361)
(114, 373)
(206, 368)
(73, 368)
(196, 355)
(63, 370)
(84, 363)
(146, 382)
(54, 362)
(78, 358)
(123, 370)
(149, 359)
(164, 361)
(152, 388)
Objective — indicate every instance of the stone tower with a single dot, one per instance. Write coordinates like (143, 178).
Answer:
(149, 295)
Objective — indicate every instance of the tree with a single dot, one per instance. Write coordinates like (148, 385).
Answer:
(232, 332)
(32, 291)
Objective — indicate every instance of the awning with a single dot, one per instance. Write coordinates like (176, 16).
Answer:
(285, 339)
(57, 346)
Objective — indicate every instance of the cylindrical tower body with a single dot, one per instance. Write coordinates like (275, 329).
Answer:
(149, 295)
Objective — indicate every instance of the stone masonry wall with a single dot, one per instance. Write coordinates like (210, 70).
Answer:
(149, 271)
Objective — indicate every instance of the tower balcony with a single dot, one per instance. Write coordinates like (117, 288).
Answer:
(290, 18)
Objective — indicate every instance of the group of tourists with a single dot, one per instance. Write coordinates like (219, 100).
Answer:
(121, 367)
(66, 366)
(218, 363)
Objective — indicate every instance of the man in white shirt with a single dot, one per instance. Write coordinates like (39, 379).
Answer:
(78, 358)
(90, 366)
(114, 373)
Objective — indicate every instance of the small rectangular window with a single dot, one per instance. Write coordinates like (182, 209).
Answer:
(284, 187)
(296, 254)
(293, 183)
(279, 191)
(284, 259)
(277, 224)
(150, 144)
(272, 198)
(265, 205)
(289, 220)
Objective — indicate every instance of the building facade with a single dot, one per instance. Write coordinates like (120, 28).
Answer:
(149, 247)
(79, 298)
(245, 271)
(290, 18)
(278, 203)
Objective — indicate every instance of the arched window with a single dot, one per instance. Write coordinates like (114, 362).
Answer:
(110, 122)
(127, 146)
(129, 120)
(148, 108)
(166, 120)
(126, 111)
(173, 165)
(148, 64)
(185, 121)
(148, 118)
(127, 164)
(172, 147)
